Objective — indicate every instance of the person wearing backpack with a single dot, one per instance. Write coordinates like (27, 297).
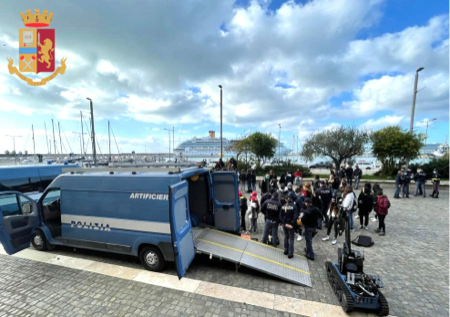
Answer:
(349, 204)
(365, 205)
(382, 207)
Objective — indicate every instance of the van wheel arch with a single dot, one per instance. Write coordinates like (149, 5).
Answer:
(151, 257)
(39, 241)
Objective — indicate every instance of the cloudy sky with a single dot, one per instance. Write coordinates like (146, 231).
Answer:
(151, 65)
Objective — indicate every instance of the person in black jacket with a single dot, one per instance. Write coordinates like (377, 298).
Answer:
(273, 183)
(289, 177)
(398, 184)
(271, 209)
(357, 174)
(406, 178)
(420, 178)
(288, 218)
(325, 194)
(243, 208)
(341, 173)
(365, 205)
(265, 184)
(309, 220)
(253, 180)
(349, 174)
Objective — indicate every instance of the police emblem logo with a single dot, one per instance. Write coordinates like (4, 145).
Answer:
(36, 49)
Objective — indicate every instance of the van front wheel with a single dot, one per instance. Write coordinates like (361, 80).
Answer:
(38, 241)
(152, 259)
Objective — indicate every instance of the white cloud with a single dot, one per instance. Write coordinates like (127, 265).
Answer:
(382, 122)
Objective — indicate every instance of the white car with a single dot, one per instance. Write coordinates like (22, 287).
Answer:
(365, 165)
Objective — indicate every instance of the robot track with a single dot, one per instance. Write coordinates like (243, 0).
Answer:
(384, 311)
(339, 288)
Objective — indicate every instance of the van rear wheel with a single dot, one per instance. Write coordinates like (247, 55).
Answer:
(152, 258)
(39, 241)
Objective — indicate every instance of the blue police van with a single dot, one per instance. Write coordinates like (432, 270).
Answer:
(145, 214)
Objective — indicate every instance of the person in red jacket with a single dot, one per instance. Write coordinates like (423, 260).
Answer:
(381, 209)
(298, 177)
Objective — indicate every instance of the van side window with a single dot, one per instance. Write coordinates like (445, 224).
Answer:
(51, 201)
(9, 205)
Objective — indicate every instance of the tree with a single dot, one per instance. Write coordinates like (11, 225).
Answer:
(7, 153)
(394, 146)
(338, 144)
(262, 145)
(239, 147)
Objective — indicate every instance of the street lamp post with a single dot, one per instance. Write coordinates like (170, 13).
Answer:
(169, 140)
(94, 153)
(220, 86)
(279, 144)
(426, 133)
(414, 99)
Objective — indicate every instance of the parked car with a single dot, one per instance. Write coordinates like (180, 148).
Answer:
(365, 165)
(321, 165)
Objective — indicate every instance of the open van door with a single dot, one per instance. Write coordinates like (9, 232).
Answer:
(226, 201)
(180, 227)
(19, 218)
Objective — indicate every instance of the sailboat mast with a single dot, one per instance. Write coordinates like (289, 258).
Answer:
(60, 142)
(54, 139)
(82, 133)
(109, 140)
(34, 143)
(46, 138)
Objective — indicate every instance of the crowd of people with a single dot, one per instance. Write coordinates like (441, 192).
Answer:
(310, 207)
(403, 180)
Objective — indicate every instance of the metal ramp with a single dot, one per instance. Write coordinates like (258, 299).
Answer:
(252, 254)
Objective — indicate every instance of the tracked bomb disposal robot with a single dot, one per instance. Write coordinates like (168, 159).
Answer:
(353, 288)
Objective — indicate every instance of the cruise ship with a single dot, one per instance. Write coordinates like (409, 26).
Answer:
(210, 146)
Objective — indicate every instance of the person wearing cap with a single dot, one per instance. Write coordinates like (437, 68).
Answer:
(254, 208)
(325, 194)
(309, 220)
(357, 174)
(288, 219)
(243, 208)
(271, 209)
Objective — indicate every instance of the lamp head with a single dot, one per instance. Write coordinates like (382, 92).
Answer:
(419, 69)
(220, 86)
(88, 98)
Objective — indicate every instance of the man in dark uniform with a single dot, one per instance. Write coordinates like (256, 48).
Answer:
(271, 209)
(349, 174)
(325, 194)
(288, 218)
(309, 220)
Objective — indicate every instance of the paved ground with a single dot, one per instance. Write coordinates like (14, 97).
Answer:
(412, 260)
(29, 288)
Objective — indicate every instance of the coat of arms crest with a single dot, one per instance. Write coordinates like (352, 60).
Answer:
(37, 49)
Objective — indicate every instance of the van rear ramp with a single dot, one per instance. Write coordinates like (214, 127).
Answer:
(252, 254)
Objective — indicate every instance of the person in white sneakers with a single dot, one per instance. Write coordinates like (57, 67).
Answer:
(333, 214)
